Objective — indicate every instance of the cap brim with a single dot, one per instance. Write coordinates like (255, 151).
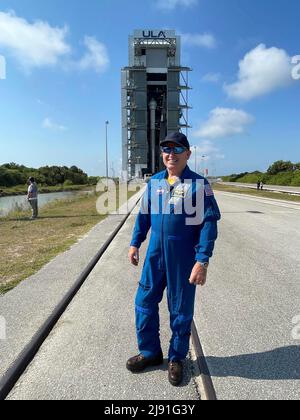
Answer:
(171, 141)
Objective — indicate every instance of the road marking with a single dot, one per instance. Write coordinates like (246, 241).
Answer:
(279, 203)
(269, 188)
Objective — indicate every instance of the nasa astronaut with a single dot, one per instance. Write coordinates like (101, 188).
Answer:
(180, 208)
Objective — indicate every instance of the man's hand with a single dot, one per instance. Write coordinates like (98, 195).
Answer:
(134, 255)
(198, 276)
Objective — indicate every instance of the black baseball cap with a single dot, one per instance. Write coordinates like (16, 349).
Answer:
(178, 139)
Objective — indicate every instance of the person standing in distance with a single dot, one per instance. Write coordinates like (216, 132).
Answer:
(32, 197)
(177, 257)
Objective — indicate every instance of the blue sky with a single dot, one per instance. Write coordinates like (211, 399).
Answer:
(62, 79)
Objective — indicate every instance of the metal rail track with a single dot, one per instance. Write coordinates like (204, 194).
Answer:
(207, 383)
(18, 367)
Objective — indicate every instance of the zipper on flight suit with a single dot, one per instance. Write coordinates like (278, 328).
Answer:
(164, 205)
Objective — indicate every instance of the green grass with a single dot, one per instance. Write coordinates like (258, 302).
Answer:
(254, 192)
(26, 246)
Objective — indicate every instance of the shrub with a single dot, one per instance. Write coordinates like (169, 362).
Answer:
(280, 166)
(252, 178)
(68, 183)
(283, 178)
(296, 179)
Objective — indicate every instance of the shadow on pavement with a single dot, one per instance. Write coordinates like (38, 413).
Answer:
(279, 364)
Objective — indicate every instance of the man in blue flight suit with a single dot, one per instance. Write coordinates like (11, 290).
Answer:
(177, 258)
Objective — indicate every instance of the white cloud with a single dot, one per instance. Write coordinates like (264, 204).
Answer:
(51, 125)
(96, 58)
(34, 45)
(207, 150)
(205, 40)
(224, 122)
(211, 78)
(262, 70)
(206, 157)
(206, 147)
(173, 4)
(38, 44)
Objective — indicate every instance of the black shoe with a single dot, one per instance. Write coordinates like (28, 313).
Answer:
(175, 370)
(139, 363)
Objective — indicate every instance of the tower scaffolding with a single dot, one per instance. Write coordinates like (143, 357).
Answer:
(155, 99)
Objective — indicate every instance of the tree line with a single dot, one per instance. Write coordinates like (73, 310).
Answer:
(279, 173)
(12, 174)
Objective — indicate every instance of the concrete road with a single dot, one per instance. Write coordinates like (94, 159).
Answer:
(85, 355)
(244, 318)
(28, 306)
(291, 190)
(245, 313)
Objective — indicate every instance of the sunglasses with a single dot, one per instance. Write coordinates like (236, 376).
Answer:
(177, 150)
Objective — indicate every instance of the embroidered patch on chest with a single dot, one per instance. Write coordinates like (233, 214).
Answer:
(180, 191)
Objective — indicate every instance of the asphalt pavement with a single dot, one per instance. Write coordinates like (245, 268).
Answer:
(85, 356)
(244, 318)
(245, 314)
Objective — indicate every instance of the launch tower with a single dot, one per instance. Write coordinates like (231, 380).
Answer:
(155, 98)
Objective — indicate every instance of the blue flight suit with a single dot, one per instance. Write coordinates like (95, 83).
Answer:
(174, 248)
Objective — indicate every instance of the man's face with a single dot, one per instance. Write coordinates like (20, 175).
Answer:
(175, 162)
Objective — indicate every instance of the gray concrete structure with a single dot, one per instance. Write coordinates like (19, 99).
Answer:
(154, 99)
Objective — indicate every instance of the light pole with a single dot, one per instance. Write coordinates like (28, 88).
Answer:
(106, 129)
